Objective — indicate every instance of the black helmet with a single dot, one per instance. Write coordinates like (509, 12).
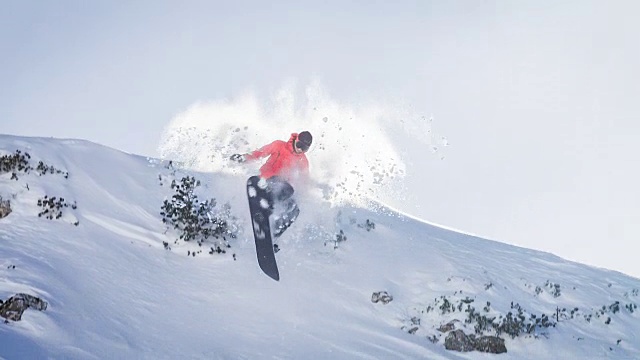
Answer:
(304, 140)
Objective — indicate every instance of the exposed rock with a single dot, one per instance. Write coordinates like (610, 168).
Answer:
(451, 325)
(14, 307)
(491, 344)
(433, 338)
(381, 296)
(5, 208)
(457, 340)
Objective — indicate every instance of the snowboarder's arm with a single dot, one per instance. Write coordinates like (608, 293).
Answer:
(263, 151)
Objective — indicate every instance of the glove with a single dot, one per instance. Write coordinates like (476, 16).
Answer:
(237, 158)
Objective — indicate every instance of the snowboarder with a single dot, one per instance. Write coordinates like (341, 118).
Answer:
(287, 163)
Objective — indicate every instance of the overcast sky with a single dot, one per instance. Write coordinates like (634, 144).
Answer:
(537, 98)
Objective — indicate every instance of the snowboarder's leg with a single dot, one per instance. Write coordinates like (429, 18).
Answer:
(283, 220)
(279, 189)
(285, 210)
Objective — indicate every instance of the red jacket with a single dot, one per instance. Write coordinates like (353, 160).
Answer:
(283, 160)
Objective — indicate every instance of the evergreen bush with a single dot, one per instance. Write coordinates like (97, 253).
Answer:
(15, 163)
(195, 220)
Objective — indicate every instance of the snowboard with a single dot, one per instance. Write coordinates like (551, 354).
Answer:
(261, 208)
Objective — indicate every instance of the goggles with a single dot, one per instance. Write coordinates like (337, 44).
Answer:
(302, 146)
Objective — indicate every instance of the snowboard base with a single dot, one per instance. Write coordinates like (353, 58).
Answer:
(260, 207)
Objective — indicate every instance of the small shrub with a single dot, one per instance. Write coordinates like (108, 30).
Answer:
(368, 225)
(340, 237)
(555, 288)
(514, 323)
(15, 163)
(196, 220)
(487, 308)
(615, 307)
(488, 286)
(538, 290)
(44, 169)
(446, 306)
(18, 162)
(52, 207)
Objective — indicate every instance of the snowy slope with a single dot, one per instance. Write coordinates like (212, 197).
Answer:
(114, 292)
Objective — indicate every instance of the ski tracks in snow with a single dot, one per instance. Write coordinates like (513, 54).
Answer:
(127, 230)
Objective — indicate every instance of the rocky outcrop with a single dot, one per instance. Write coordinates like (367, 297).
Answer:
(5, 208)
(491, 344)
(451, 325)
(381, 296)
(457, 340)
(14, 307)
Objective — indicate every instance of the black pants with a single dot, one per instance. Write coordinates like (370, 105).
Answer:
(284, 208)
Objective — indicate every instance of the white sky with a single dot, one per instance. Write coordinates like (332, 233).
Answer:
(538, 99)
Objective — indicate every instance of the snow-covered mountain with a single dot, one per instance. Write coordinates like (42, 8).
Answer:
(118, 286)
